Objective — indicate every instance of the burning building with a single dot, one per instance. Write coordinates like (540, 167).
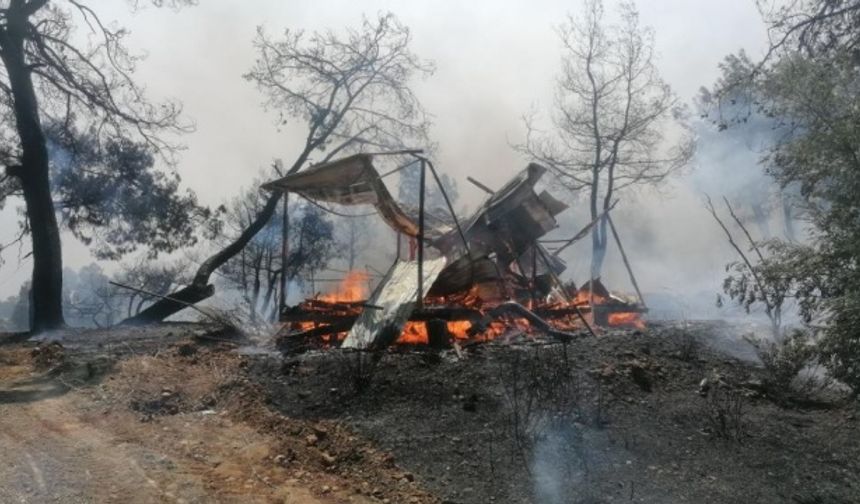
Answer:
(479, 279)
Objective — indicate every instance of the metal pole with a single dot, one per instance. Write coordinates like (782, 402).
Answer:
(534, 275)
(564, 292)
(624, 258)
(421, 185)
(285, 245)
(453, 216)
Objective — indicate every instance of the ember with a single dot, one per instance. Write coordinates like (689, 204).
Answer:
(626, 319)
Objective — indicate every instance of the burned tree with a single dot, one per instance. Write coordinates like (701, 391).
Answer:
(352, 91)
(256, 271)
(610, 112)
(47, 77)
(154, 279)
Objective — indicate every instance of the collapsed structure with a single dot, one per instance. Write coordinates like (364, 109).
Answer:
(470, 280)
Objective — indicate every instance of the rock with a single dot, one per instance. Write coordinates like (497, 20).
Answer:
(753, 384)
(328, 459)
(704, 387)
(311, 439)
(320, 431)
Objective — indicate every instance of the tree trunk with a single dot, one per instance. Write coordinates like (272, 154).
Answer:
(598, 248)
(255, 289)
(270, 292)
(47, 288)
(200, 289)
(598, 232)
(788, 220)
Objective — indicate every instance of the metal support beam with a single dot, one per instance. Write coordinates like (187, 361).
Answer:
(285, 246)
(564, 293)
(624, 258)
(534, 275)
(421, 190)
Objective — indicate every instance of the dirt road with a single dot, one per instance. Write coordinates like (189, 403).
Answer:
(60, 443)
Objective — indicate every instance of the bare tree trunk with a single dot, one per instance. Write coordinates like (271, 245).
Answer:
(255, 292)
(200, 288)
(271, 288)
(598, 232)
(599, 243)
(788, 219)
(47, 288)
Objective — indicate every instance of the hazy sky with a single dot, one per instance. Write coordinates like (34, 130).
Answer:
(495, 59)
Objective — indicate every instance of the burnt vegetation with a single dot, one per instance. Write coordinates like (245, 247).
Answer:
(374, 332)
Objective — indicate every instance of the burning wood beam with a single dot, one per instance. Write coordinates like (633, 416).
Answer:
(511, 308)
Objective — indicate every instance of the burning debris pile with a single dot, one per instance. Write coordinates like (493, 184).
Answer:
(486, 278)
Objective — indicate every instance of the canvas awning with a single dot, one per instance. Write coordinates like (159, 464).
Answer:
(352, 180)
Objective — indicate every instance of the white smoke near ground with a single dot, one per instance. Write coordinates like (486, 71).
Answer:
(558, 475)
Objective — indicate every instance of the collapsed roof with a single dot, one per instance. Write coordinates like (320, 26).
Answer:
(497, 240)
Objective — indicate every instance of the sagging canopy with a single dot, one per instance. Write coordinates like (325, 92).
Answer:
(352, 180)
(501, 232)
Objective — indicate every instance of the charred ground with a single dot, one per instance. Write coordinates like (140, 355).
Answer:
(618, 418)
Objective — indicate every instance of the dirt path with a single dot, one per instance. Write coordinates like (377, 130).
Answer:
(170, 421)
(67, 445)
(51, 456)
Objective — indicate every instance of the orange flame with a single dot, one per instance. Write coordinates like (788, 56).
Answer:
(352, 288)
(415, 333)
(626, 319)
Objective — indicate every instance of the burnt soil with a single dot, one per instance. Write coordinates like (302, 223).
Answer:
(175, 413)
(619, 418)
